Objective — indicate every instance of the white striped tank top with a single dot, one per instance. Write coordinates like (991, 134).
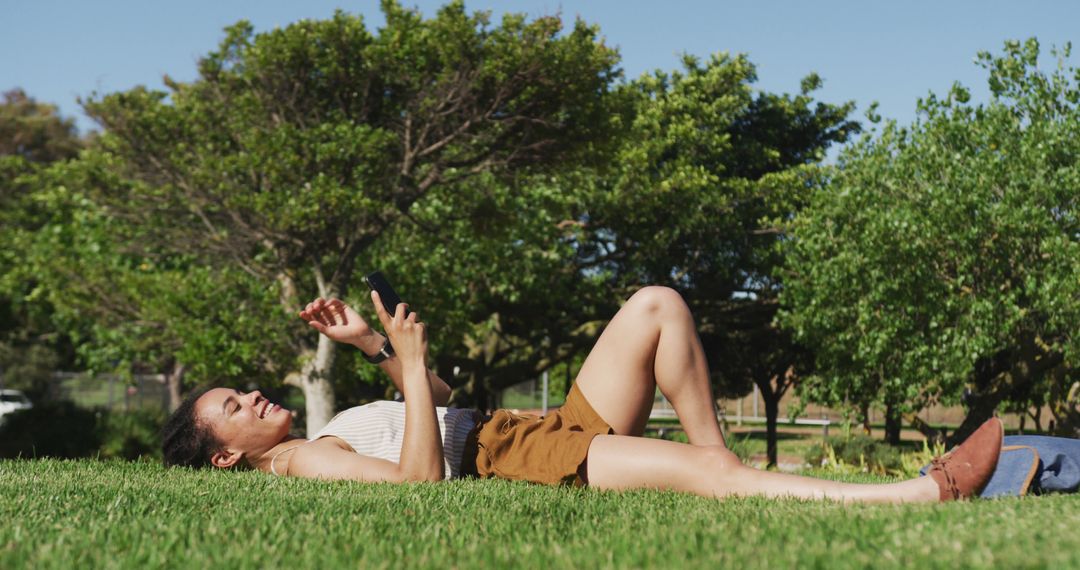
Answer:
(378, 430)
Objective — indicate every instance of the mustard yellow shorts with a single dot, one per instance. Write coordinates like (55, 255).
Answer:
(547, 449)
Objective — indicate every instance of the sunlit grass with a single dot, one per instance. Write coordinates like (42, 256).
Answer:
(78, 514)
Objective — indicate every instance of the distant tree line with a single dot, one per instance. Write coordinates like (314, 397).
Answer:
(516, 188)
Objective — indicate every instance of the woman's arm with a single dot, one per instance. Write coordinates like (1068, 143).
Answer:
(329, 458)
(421, 450)
(373, 342)
(338, 321)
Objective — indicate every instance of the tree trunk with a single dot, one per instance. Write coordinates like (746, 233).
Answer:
(981, 408)
(314, 381)
(1063, 410)
(865, 411)
(482, 398)
(174, 380)
(772, 411)
(1011, 373)
(316, 377)
(892, 425)
(932, 434)
(994, 390)
(772, 389)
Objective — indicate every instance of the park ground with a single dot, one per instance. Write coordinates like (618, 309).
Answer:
(86, 513)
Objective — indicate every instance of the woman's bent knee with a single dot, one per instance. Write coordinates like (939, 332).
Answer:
(718, 460)
(657, 299)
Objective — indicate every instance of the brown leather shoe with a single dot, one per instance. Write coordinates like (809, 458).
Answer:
(963, 472)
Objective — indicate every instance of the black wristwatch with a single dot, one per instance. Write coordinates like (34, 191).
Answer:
(385, 352)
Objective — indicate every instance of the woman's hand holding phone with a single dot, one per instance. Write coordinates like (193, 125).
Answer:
(406, 332)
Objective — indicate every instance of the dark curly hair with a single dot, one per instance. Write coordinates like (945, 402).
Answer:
(186, 441)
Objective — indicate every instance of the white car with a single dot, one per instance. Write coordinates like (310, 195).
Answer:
(13, 401)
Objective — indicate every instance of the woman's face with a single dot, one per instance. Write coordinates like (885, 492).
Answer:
(245, 423)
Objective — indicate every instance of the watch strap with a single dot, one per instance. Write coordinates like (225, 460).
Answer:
(385, 352)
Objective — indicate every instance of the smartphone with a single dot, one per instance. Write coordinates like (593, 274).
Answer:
(390, 299)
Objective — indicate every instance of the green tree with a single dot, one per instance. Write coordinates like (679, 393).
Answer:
(492, 266)
(685, 195)
(296, 148)
(35, 131)
(126, 307)
(706, 172)
(32, 135)
(943, 256)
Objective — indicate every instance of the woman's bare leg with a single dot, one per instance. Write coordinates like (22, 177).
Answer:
(619, 462)
(651, 342)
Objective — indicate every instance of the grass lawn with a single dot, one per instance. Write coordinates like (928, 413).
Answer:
(65, 514)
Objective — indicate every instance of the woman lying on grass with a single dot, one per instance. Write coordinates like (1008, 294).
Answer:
(595, 439)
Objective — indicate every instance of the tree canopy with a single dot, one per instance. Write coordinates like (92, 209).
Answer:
(707, 172)
(942, 256)
(516, 190)
(35, 131)
(32, 136)
(295, 149)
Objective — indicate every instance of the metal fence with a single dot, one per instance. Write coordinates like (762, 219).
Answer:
(528, 395)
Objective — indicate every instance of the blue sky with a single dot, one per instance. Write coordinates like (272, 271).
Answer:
(891, 52)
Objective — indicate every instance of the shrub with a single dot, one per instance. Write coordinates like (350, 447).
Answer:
(54, 429)
(130, 435)
(862, 452)
(62, 429)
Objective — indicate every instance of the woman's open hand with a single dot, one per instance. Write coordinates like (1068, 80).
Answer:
(407, 333)
(336, 320)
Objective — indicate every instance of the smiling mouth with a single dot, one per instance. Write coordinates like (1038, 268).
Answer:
(267, 409)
